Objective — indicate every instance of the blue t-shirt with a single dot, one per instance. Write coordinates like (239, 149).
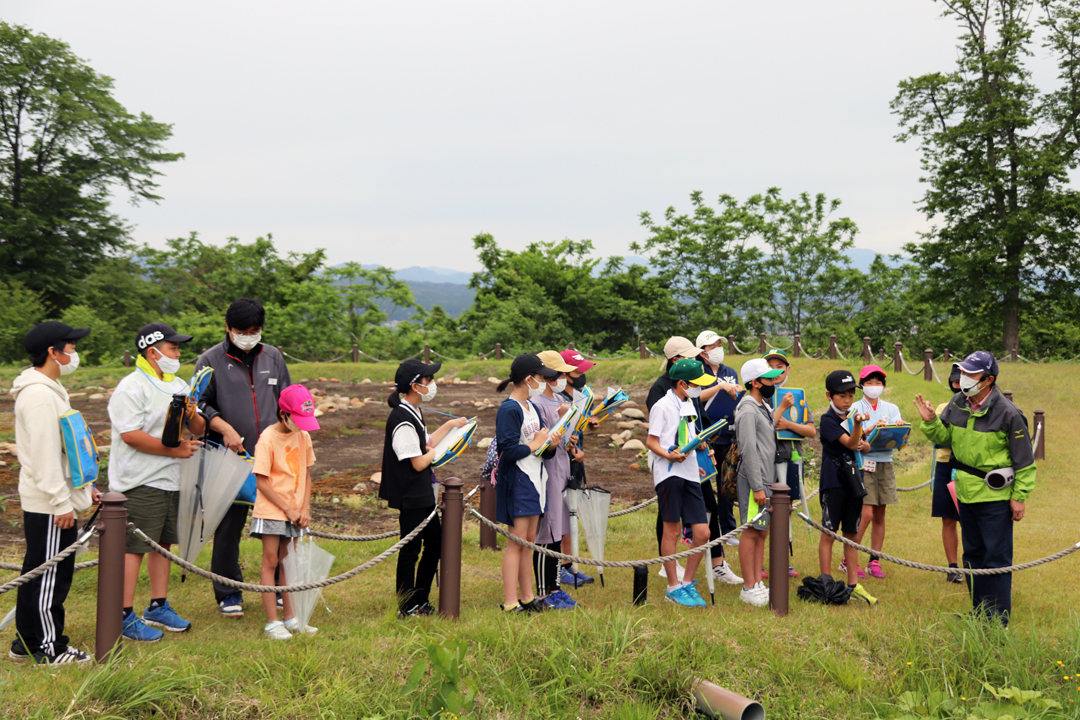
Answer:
(830, 431)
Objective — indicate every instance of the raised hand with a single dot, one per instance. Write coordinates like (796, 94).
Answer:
(925, 408)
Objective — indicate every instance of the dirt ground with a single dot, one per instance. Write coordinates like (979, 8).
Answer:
(349, 451)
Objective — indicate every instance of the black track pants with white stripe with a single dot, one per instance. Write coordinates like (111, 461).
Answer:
(39, 610)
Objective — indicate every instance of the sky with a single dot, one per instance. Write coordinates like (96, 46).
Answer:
(394, 132)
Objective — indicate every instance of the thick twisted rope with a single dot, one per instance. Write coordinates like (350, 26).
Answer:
(616, 563)
(934, 370)
(40, 569)
(250, 587)
(782, 347)
(370, 538)
(444, 357)
(78, 566)
(840, 354)
(309, 362)
(904, 363)
(915, 487)
(938, 568)
(633, 509)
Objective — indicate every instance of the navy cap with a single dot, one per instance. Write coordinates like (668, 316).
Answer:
(47, 334)
(979, 361)
(528, 364)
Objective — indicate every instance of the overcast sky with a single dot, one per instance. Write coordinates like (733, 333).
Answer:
(394, 132)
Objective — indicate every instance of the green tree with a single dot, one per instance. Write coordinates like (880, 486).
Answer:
(65, 145)
(717, 276)
(997, 148)
(23, 309)
(370, 296)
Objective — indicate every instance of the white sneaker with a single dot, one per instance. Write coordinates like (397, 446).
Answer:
(732, 541)
(680, 571)
(725, 574)
(753, 597)
(762, 590)
(276, 630)
(293, 625)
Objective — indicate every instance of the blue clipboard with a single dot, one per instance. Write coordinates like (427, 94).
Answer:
(888, 437)
(721, 406)
(798, 413)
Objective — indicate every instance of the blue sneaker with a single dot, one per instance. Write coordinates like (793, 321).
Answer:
(136, 629)
(564, 601)
(583, 579)
(679, 596)
(567, 578)
(166, 617)
(232, 606)
(693, 594)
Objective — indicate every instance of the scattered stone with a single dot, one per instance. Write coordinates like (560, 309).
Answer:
(484, 443)
(7, 448)
(104, 448)
(319, 413)
(628, 424)
(626, 435)
(322, 379)
(334, 380)
(360, 486)
(365, 381)
(617, 440)
(96, 396)
(368, 400)
(457, 381)
(494, 380)
(617, 416)
(643, 426)
(634, 413)
(633, 445)
(630, 404)
(80, 394)
(376, 478)
(455, 403)
(316, 392)
(356, 402)
(303, 380)
(3, 464)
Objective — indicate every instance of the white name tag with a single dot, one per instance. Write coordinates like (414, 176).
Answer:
(869, 465)
(271, 381)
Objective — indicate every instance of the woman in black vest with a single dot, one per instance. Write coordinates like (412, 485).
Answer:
(409, 484)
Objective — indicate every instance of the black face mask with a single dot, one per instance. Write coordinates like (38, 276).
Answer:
(578, 382)
(767, 391)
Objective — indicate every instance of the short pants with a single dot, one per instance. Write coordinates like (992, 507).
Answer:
(284, 528)
(748, 507)
(681, 500)
(941, 504)
(880, 485)
(840, 512)
(154, 512)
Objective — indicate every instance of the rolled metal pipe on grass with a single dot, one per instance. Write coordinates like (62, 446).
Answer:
(718, 702)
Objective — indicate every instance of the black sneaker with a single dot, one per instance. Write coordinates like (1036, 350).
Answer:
(954, 577)
(417, 610)
(533, 606)
(68, 657)
(17, 651)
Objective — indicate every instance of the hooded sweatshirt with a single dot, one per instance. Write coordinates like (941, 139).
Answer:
(44, 479)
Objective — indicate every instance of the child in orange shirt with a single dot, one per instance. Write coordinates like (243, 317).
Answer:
(283, 506)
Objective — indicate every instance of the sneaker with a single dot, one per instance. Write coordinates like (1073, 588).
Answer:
(764, 574)
(858, 570)
(293, 625)
(516, 609)
(792, 572)
(533, 606)
(760, 589)
(276, 631)
(17, 651)
(68, 657)
(954, 577)
(725, 574)
(568, 578)
(136, 629)
(582, 578)
(875, 569)
(232, 606)
(681, 571)
(565, 601)
(753, 597)
(680, 596)
(860, 593)
(166, 617)
(732, 542)
(280, 602)
(693, 594)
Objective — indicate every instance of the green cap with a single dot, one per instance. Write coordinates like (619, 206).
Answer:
(691, 371)
(778, 354)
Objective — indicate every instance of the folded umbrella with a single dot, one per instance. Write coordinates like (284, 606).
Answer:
(305, 563)
(593, 508)
(824, 589)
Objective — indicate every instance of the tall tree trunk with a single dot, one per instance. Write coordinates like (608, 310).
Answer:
(1011, 313)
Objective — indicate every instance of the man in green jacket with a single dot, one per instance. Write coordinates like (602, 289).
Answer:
(994, 474)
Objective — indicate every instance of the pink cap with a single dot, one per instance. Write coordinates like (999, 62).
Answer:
(573, 357)
(297, 401)
(870, 370)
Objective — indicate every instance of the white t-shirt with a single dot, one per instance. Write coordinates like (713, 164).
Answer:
(141, 403)
(664, 421)
(531, 464)
(406, 442)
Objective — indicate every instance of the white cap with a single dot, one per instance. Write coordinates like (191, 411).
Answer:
(707, 337)
(758, 368)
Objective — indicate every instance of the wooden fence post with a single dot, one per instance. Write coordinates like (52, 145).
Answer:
(762, 345)
(928, 365)
(867, 351)
(355, 353)
(498, 351)
(832, 347)
(427, 354)
(641, 349)
(1040, 430)
(898, 356)
(948, 356)
(731, 345)
(798, 345)
(127, 359)
(1013, 354)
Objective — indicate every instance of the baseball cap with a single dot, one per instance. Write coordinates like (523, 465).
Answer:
(954, 374)
(297, 401)
(678, 346)
(44, 335)
(706, 337)
(158, 332)
(979, 361)
(871, 370)
(554, 360)
(778, 354)
(758, 369)
(528, 364)
(839, 381)
(691, 371)
(573, 357)
(411, 371)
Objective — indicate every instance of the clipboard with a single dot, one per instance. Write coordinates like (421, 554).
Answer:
(888, 437)
(799, 413)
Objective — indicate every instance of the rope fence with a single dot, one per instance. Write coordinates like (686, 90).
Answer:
(40, 569)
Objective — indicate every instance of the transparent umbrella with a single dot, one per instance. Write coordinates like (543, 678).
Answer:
(209, 482)
(593, 507)
(305, 563)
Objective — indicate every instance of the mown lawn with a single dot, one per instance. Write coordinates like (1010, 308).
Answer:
(610, 659)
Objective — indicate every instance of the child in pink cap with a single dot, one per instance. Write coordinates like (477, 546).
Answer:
(283, 506)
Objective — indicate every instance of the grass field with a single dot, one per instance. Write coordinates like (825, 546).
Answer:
(908, 656)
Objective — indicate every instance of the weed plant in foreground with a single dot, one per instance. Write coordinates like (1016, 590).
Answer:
(913, 655)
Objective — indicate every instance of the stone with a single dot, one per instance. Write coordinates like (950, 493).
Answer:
(628, 424)
(617, 416)
(626, 435)
(356, 402)
(322, 379)
(634, 414)
(484, 443)
(334, 380)
(96, 396)
(617, 440)
(457, 381)
(494, 380)
(455, 403)
(376, 478)
(319, 413)
(71, 395)
(630, 404)
(360, 486)
(365, 381)
(643, 426)
(316, 392)
(633, 445)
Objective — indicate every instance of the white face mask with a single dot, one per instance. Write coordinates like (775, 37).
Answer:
(693, 391)
(716, 356)
(73, 364)
(873, 391)
(969, 385)
(838, 411)
(559, 385)
(246, 342)
(168, 365)
(432, 390)
(534, 391)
